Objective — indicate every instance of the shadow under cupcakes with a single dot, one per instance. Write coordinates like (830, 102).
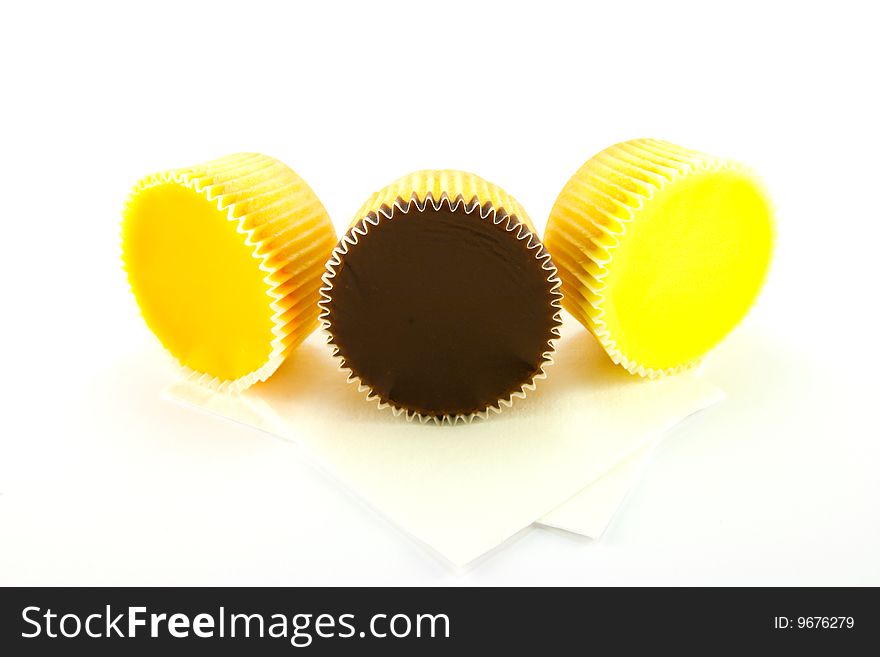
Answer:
(439, 307)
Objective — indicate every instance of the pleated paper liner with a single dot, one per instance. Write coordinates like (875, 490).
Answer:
(225, 261)
(662, 250)
(440, 302)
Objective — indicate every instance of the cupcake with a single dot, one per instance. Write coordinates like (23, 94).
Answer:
(440, 301)
(661, 250)
(225, 261)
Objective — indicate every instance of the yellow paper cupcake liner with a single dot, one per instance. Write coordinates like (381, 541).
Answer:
(225, 261)
(452, 189)
(661, 249)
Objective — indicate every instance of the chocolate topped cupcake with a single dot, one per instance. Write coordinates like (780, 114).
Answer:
(440, 300)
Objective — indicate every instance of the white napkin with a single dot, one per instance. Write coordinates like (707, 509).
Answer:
(463, 490)
(590, 511)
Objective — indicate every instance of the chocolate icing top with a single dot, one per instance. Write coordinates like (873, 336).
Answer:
(442, 312)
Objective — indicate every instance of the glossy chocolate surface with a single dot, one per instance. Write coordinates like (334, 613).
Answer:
(442, 312)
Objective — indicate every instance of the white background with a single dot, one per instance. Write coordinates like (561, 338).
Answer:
(101, 482)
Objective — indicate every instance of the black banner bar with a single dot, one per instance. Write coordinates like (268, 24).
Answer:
(278, 621)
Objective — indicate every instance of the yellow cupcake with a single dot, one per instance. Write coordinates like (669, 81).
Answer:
(440, 301)
(662, 251)
(225, 261)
